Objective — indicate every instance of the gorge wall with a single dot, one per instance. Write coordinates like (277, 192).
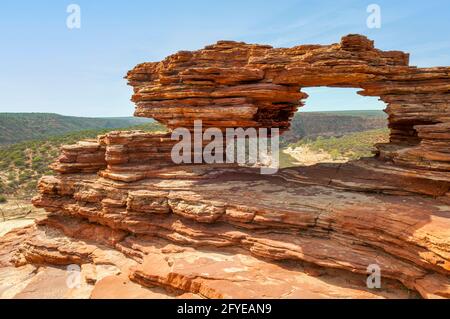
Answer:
(140, 226)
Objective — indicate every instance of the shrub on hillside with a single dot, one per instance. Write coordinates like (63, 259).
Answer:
(24, 163)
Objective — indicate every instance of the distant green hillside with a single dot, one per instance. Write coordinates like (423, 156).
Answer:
(17, 127)
(363, 113)
(332, 124)
(22, 164)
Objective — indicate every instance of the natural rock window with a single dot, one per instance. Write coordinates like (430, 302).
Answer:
(335, 125)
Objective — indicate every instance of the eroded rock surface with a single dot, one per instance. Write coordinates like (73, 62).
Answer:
(140, 226)
(232, 84)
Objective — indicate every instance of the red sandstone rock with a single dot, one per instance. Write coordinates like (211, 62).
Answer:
(263, 90)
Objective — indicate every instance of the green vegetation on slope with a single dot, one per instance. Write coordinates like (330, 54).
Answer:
(360, 113)
(352, 146)
(22, 164)
(18, 127)
(315, 124)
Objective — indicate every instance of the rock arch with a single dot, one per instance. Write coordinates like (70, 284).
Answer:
(233, 84)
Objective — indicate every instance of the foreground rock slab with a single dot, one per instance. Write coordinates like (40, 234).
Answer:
(172, 271)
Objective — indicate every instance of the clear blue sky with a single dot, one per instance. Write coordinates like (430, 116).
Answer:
(45, 67)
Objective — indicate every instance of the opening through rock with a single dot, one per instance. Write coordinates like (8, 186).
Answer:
(335, 125)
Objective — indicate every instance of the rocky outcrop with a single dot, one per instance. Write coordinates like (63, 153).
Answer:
(83, 157)
(233, 84)
(141, 226)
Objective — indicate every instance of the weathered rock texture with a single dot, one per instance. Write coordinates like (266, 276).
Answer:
(143, 227)
(233, 84)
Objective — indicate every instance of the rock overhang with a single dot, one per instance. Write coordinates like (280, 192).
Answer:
(234, 84)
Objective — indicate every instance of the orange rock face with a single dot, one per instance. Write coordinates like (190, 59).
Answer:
(140, 226)
(232, 84)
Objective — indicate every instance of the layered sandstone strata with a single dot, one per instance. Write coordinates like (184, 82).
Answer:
(140, 226)
(232, 84)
